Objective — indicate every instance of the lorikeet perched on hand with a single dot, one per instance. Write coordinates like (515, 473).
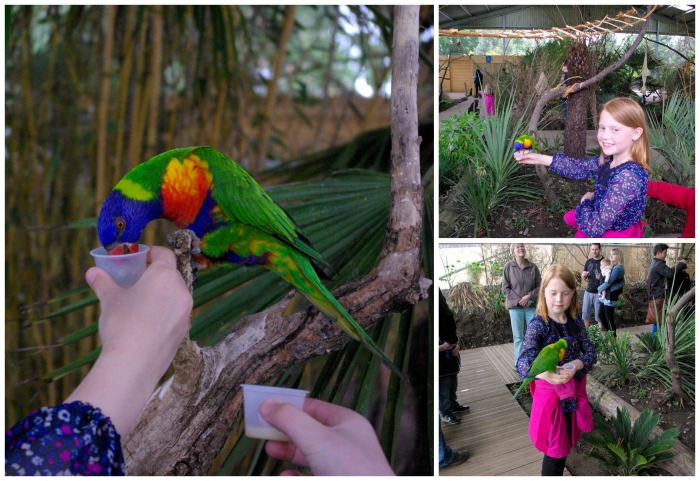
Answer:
(525, 142)
(236, 221)
(546, 360)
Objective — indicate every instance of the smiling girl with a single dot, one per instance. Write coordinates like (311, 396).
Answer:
(616, 206)
(560, 409)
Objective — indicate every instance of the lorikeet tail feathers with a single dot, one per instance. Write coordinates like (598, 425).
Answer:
(317, 293)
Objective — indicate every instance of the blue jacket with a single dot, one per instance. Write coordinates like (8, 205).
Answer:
(614, 286)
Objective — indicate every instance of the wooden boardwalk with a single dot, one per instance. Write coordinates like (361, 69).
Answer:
(494, 430)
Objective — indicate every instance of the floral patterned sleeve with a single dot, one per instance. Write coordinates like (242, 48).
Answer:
(583, 349)
(617, 210)
(67, 439)
(578, 169)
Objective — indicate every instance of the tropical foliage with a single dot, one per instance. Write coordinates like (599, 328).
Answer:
(673, 137)
(627, 448)
(491, 178)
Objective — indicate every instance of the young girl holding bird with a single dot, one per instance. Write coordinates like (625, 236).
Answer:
(560, 409)
(616, 206)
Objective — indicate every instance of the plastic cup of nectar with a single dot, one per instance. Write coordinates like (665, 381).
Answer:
(569, 366)
(125, 269)
(518, 155)
(255, 426)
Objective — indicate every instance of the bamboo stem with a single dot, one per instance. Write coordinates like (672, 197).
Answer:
(270, 98)
(103, 103)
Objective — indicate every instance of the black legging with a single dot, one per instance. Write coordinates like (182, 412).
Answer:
(555, 466)
(607, 318)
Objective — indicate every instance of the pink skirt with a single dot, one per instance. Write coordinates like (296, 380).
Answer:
(637, 230)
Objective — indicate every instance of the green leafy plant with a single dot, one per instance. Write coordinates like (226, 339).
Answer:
(654, 366)
(457, 143)
(622, 362)
(627, 449)
(601, 343)
(492, 179)
(674, 138)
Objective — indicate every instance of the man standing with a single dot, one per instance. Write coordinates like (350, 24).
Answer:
(660, 276)
(591, 272)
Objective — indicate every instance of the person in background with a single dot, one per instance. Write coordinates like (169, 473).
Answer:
(659, 279)
(489, 101)
(591, 272)
(520, 284)
(449, 365)
(613, 288)
(605, 269)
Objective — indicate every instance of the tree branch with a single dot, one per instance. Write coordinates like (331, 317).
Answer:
(182, 432)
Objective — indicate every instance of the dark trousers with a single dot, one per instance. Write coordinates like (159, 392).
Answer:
(607, 318)
(448, 393)
(555, 466)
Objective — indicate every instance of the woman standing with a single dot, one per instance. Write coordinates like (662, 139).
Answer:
(613, 288)
(520, 284)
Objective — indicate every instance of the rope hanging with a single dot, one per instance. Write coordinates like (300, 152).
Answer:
(622, 21)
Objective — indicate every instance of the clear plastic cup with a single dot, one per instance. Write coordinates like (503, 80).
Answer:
(569, 366)
(255, 426)
(125, 269)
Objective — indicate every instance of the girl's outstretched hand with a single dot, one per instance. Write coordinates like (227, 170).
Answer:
(533, 158)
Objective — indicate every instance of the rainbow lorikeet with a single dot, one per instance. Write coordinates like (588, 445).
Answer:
(525, 142)
(236, 221)
(546, 360)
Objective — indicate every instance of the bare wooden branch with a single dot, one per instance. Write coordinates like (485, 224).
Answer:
(181, 432)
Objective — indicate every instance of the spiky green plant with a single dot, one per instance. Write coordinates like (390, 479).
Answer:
(628, 449)
(492, 177)
(622, 361)
(674, 138)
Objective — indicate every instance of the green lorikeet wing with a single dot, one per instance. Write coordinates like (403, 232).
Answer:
(546, 360)
(242, 199)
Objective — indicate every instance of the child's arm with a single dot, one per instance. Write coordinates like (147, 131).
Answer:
(623, 189)
(675, 195)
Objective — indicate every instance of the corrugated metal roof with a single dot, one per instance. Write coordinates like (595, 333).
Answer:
(666, 20)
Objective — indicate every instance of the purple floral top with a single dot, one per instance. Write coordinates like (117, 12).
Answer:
(541, 333)
(67, 439)
(620, 193)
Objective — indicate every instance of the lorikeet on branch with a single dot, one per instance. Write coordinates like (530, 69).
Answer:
(236, 221)
(546, 360)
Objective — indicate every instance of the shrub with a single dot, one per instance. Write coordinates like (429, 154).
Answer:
(622, 363)
(627, 449)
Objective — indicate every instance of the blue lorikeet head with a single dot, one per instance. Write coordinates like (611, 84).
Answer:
(122, 219)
